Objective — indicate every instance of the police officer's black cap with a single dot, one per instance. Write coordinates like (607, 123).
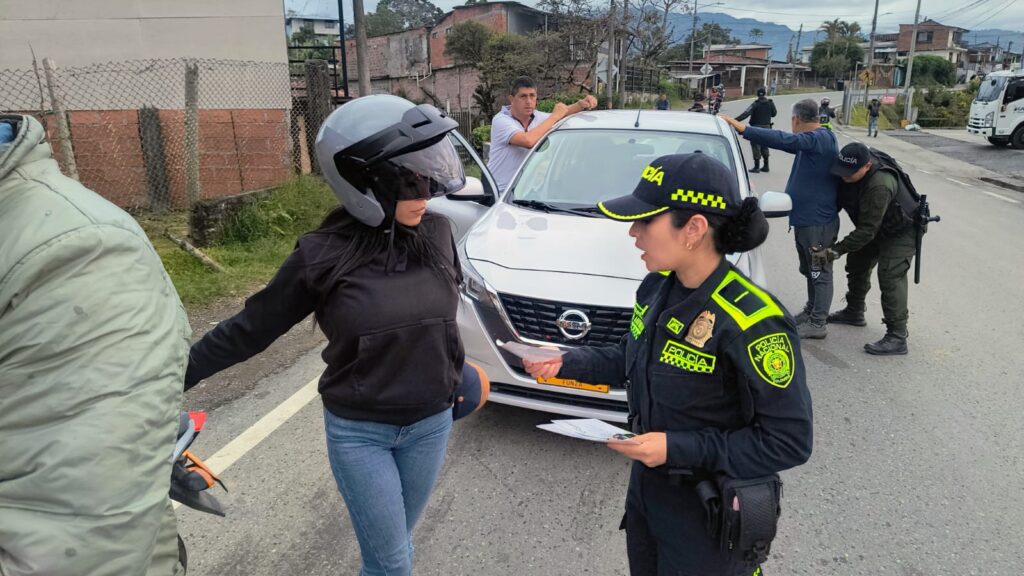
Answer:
(694, 181)
(851, 158)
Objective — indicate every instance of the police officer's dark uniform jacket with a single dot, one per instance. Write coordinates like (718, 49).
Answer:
(734, 401)
(719, 370)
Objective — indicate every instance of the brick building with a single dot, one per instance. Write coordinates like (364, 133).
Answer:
(933, 39)
(413, 64)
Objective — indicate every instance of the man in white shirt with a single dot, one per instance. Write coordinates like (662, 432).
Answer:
(518, 126)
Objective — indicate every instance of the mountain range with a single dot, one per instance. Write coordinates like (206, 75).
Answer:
(779, 36)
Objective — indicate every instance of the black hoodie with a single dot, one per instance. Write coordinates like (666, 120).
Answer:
(393, 353)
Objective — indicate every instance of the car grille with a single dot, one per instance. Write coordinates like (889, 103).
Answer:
(535, 319)
(559, 398)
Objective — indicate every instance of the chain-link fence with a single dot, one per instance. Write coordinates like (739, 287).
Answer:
(164, 134)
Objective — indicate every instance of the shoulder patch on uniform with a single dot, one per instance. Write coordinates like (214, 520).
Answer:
(636, 325)
(744, 302)
(772, 358)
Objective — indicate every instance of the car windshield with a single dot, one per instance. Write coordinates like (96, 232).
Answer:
(579, 168)
(991, 89)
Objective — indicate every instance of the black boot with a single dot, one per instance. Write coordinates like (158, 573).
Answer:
(765, 169)
(892, 344)
(756, 168)
(847, 316)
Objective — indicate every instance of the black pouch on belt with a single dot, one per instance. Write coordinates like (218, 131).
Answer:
(750, 516)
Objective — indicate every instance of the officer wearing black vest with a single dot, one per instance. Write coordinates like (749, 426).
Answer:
(874, 198)
(760, 112)
(715, 380)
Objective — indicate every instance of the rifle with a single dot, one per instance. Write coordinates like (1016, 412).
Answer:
(924, 216)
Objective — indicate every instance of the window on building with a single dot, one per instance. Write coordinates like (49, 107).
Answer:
(433, 34)
(330, 25)
(925, 36)
(447, 30)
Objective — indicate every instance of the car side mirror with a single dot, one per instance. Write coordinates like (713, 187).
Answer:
(473, 191)
(775, 204)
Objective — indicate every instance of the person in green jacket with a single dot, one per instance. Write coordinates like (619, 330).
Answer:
(93, 348)
(883, 237)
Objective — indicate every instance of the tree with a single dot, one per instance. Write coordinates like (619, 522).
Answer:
(573, 43)
(932, 70)
(649, 31)
(710, 33)
(675, 53)
(380, 22)
(467, 42)
(756, 34)
(505, 57)
(414, 13)
(835, 58)
(397, 15)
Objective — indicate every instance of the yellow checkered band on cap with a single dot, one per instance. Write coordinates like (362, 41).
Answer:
(710, 200)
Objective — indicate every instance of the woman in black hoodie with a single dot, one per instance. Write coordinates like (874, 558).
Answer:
(381, 274)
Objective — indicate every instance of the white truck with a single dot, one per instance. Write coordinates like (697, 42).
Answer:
(998, 111)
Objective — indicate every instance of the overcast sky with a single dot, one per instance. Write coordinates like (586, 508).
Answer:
(970, 14)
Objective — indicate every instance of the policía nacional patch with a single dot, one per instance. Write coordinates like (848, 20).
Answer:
(772, 357)
(701, 329)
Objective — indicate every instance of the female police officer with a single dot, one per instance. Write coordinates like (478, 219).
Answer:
(712, 364)
(381, 276)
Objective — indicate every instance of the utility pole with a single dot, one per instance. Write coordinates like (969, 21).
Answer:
(344, 50)
(693, 33)
(871, 56)
(362, 58)
(796, 55)
(609, 85)
(910, 64)
(622, 53)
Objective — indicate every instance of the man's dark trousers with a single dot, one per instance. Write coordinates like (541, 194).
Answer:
(893, 257)
(819, 279)
(758, 150)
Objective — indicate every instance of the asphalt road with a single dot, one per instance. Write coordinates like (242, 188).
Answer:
(918, 464)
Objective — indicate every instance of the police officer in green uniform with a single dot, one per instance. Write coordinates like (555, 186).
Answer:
(884, 237)
(712, 365)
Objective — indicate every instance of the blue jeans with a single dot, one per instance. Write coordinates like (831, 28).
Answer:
(872, 125)
(386, 473)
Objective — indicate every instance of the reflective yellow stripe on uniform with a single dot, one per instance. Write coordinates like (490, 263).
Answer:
(733, 295)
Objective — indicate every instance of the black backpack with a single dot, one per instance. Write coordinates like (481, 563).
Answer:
(902, 211)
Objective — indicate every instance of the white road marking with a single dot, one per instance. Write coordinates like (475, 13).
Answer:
(925, 171)
(958, 182)
(259, 431)
(1000, 197)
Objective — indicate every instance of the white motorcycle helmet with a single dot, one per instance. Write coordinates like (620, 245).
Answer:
(376, 150)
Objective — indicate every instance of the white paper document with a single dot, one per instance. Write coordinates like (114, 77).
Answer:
(531, 353)
(589, 429)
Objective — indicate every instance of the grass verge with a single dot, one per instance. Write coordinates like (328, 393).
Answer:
(256, 242)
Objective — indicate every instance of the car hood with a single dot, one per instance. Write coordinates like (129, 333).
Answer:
(524, 239)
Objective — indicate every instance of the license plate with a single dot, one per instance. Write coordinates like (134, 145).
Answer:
(602, 388)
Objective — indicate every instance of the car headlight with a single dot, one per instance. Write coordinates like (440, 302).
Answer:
(473, 284)
(989, 118)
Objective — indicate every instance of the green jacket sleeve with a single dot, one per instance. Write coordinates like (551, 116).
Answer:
(877, 195)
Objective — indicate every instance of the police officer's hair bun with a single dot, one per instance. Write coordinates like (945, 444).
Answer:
(745, 231)
(741, 232)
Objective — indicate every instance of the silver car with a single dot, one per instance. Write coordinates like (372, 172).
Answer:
(543, 268)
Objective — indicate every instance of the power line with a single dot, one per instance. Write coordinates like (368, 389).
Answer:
(959, 12)
(829, 15)
(994, 14)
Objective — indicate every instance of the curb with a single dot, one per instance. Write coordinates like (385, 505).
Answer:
(1003, 183)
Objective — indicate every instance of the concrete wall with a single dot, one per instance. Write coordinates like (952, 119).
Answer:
(395, 56)
(82, 32)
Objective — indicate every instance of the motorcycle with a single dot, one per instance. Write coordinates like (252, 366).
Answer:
(715, 102)
(190, 476)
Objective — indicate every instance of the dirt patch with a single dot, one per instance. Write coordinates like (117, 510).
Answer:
(238, 380)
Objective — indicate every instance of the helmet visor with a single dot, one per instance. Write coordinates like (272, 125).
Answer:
(428, 173)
